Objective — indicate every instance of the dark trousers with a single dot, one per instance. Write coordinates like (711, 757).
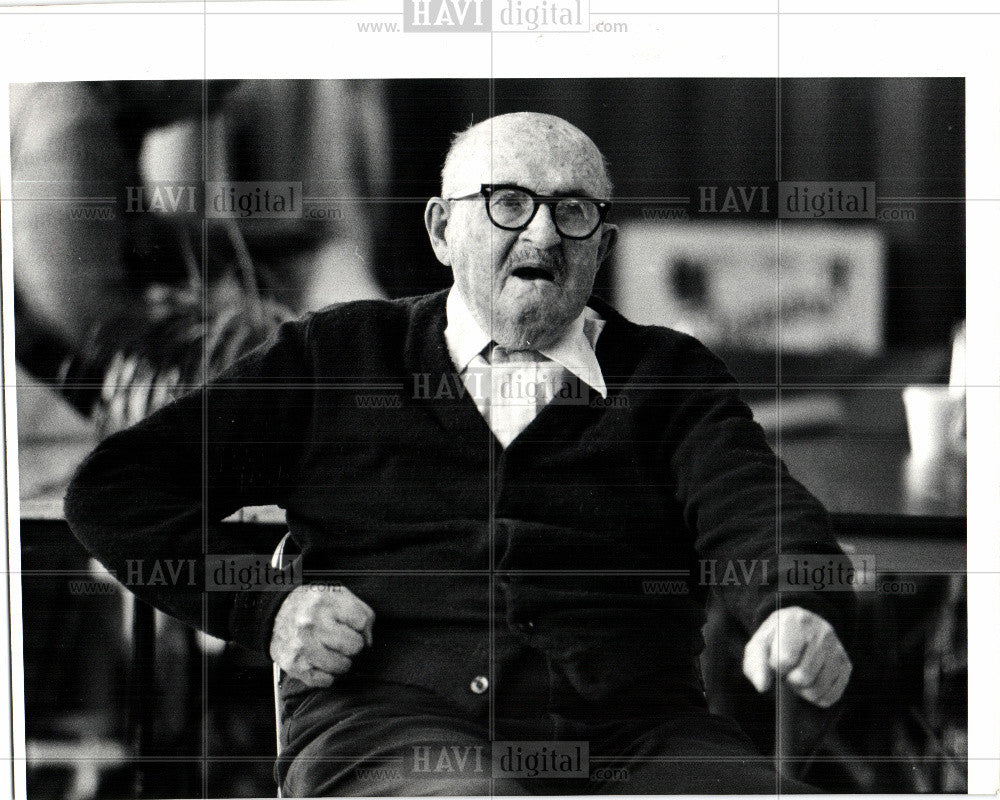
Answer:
(371, 738)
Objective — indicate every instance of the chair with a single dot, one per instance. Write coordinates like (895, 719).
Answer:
(279, 561)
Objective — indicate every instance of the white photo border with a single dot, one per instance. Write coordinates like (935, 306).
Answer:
(319, 39)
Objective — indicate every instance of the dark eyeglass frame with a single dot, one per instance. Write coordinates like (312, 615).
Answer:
(486, 190)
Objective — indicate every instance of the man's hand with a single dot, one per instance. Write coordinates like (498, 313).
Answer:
(318, 631)
(803, 648)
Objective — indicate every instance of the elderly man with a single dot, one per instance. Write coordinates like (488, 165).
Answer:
(486, 485)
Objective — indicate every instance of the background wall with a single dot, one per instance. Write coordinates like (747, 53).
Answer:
(906, 134)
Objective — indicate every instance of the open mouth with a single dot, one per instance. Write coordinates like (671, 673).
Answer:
(533, 273)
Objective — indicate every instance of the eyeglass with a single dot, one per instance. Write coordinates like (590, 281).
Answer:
(513, 207)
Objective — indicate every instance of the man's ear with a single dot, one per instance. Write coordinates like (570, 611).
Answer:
(436, 216)
(609, 235)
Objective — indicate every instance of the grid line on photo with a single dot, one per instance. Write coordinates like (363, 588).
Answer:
(203, 727)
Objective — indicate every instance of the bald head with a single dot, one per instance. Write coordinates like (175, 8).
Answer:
(481, 154)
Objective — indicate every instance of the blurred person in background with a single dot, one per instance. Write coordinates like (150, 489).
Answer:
(121, 296)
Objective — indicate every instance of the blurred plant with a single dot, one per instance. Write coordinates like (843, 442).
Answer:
(178, 338)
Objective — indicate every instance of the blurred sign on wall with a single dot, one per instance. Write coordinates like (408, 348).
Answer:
(756, 286)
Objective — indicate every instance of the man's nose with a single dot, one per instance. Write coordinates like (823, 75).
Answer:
(542, 230)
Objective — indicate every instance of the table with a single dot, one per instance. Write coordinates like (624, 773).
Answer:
(909, 513)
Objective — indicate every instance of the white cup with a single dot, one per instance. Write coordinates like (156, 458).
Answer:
(935, 417)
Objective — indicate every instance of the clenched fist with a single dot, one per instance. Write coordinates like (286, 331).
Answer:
(318, 631)
(802, 648)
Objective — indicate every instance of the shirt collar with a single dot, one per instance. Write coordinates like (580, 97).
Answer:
(574, 350)
(464, 337)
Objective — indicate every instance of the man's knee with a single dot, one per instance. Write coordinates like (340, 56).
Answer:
(405, 760)
(389, 780)
(463, 787)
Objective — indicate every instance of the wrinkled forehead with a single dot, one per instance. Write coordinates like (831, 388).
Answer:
(546, 157)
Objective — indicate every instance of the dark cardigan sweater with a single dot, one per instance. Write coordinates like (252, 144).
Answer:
(354, 420)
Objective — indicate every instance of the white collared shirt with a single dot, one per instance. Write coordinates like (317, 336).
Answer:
(512, 388)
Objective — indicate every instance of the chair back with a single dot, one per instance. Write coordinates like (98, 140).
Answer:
(279, 560)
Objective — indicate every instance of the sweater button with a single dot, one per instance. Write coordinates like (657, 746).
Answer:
(479, 684)
(527, 626)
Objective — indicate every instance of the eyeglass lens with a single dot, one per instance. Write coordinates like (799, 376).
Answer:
(511, 208)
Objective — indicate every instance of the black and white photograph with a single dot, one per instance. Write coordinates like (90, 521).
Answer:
(602, 428)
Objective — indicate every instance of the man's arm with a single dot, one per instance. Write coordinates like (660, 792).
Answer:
(744, 509)
(158, 491)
